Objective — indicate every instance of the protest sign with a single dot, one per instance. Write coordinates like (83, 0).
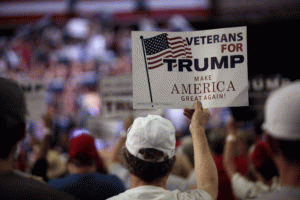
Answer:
(173, 69)
(116, 93)
(34, 98)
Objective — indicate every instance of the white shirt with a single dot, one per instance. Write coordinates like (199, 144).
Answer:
(159, 193)
(244, 188)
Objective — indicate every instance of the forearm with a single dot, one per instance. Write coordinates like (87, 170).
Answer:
(206, 170)
(115, 157)
(228, 157)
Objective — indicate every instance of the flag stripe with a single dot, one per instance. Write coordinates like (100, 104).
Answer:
(150, 63)
(175, 38)
(151, 58)
(161, 46)
(156, 66)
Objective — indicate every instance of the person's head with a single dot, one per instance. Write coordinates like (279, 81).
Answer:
(262, 161)
(12, 116)
(82, 151)
(282, 123)
(216, 140)
(149, 151)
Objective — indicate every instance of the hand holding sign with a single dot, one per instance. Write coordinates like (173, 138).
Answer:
(199, 117)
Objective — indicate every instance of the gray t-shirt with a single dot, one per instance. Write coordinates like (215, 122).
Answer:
(158, 193)
(284, 192)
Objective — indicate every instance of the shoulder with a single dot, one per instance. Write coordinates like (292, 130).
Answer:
(21, 187)
(56, 183)
(108, 177)
(112, 180)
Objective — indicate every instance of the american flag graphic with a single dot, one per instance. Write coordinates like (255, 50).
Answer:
(161, 46)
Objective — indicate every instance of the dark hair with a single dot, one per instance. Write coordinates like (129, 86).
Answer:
(148, 171)
(289, 149)
(10, 138)
(83, 160)
(268, 170)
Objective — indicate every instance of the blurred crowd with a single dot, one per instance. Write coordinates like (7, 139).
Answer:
(71, 59)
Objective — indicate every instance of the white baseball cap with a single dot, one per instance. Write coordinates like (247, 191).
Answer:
(282, 113)
(153, 132)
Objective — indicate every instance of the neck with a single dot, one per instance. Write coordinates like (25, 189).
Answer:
(289, 173)
(137, 182)
(81, 170)
(7, 165)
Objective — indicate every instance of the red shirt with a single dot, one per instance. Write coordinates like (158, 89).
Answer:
(225, 190)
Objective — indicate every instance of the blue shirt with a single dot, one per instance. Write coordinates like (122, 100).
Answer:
(89, 185)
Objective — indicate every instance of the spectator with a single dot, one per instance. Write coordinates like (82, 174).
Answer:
(84, 182)
(15, 184)
(149, 154)
(264, 169)
(115, 166)
(282, 128)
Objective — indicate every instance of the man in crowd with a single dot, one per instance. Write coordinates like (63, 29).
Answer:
(84, 182)
(263, 168)
(282, 128)
(149, 155)
(117, 168)
(15, 184)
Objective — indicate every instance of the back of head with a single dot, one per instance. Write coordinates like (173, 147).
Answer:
(262, 161)
(12, 115)
(82, 150)
(150, 148)
(216, 140)
(282, 121)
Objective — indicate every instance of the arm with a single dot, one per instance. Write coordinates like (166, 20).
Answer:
(206, 170)
(228, 156)
(115, 157)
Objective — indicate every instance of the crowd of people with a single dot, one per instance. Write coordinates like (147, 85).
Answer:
(152, 158)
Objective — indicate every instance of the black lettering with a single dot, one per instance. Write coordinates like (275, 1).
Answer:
(196, 64)
(189, 42)
(214, 62)
(170, 63)
(232, 37)
(240, 36)
(236, 59)
(203, 37)
(216, 38)
(187, 63)
(223, 38)
(196, 41)
(209, 39)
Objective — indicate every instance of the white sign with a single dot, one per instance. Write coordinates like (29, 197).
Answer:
(116, 93)
(173, 69)
(34, 99)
